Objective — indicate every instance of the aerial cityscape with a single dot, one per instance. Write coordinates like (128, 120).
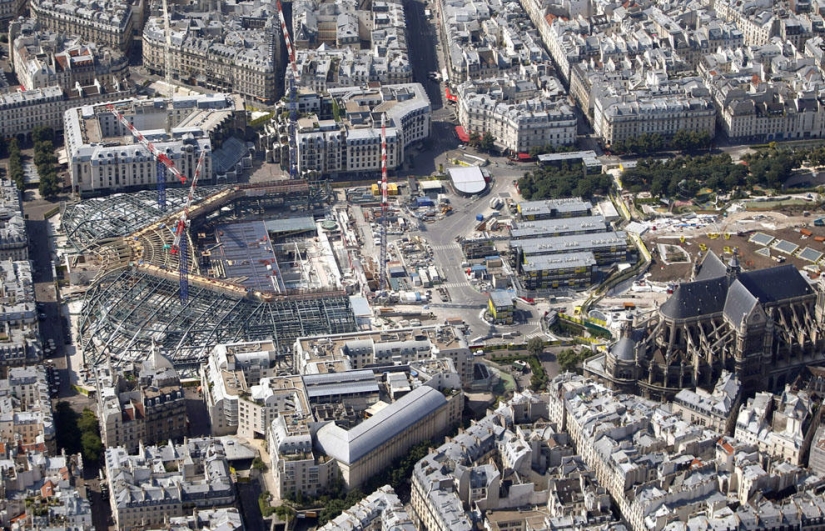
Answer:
(412, 265)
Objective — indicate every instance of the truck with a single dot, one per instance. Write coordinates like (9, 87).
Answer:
(479, 217)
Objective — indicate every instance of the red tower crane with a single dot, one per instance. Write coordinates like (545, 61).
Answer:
(385, 202)
(181, 241)
(292, 128)
(164, 162)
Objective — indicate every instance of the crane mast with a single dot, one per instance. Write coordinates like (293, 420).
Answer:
(292, 128)
(382, 257)
(163, 161)
(181, 242)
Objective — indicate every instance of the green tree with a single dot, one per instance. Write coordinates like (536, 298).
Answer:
(42, 134)
(568, 360)
(474, 140)
(487, 142)
(535, 346)
(91, 446)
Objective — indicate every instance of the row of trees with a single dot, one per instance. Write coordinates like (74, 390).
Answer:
(685, 176)
(78, 433)
(485, 142)
(16, 165)
(46, 161)
(648, 143)
(569, 180)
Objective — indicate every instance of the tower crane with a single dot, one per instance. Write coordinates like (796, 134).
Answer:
(164, 162)
(161, 171)
(382, 255)
(292, 128)
(181, 241)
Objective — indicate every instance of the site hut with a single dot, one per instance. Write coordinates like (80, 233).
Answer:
(501, 306)
(588, 159)
(571, 270)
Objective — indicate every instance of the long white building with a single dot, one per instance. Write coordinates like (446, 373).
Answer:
(103, 155)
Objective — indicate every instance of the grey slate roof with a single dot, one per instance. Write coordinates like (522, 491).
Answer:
(776, 283)
(712, 267)
(692, 299)
(740, 302)
(624, 349)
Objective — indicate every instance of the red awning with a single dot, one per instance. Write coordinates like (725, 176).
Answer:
(462, 134)
(525, 157)
(449, 95)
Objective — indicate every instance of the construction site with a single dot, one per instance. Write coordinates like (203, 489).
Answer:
(252, 264)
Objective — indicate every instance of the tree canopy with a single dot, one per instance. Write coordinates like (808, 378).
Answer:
(685, 176)
(569, 180)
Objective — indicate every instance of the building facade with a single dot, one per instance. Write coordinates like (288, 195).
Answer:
(226, 53)
(43, 58)
(103, 157)
(143, 407)
(110, 23)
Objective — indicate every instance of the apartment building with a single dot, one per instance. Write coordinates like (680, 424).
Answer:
(145, 405)
(517, 127)
(230, 371)
(485, 39)
(324, 34)
(686, 473)
(228, 519)
(359, 350)
(158, 483)
(42, 58)
(778, 425)
(14, 242)
(25, 408)
(715, 409)
(104, 157)
(683, 107)
(18, 314)
(10, 10)
(350, 140)
(233, 51)
(380, 510)
(21, 111)
(513, 444)
(772, 111)
(111, 23)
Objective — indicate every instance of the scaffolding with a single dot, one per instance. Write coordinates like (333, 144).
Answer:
(91, 221)
(135, 300)
(127, 310)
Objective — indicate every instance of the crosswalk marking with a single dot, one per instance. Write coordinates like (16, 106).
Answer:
(452, 285)
(447, 247)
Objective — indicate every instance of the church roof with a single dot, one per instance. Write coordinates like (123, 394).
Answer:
(776, 283)
(712, 267)
(740, 302)
(712, 295)
(624, 349)
(700, 297)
